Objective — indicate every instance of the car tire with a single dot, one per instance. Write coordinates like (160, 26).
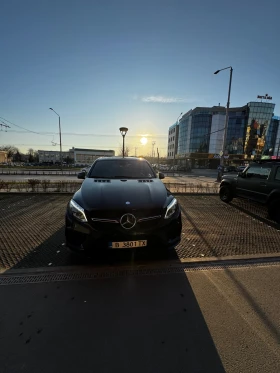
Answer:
(226, 194)
(274, 210)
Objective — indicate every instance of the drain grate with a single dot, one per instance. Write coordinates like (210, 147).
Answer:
(118, 273)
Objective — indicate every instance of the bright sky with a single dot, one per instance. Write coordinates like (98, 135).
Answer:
(103, 64)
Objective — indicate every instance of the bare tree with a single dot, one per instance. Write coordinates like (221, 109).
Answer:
(126, 151)
(10, 149)
(30, 154)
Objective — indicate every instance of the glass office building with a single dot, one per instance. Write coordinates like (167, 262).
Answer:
(236, 130)
(184, 133)
(271, 137)
(200, 133)
(259, 119)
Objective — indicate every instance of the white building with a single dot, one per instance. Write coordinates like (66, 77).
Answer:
(88, 156)
(173, 135)
(79, 156)
(51, 156)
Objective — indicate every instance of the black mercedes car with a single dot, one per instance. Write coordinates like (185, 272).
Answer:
(122, 204)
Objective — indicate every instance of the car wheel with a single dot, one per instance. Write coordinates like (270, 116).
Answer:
(226, 194)
(274, 210)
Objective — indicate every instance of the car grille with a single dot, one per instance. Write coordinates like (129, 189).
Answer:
(145, 181)
(144, 222)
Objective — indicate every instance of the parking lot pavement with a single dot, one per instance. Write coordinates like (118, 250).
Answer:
(32, 231)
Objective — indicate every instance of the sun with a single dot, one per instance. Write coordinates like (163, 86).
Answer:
(144, 140)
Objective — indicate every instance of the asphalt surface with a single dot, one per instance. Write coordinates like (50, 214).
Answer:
(224, 320)
(32, 232)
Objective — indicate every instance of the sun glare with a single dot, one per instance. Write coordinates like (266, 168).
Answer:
(144, 140)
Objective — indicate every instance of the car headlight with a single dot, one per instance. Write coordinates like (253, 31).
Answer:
(171, 208)
(77, 211)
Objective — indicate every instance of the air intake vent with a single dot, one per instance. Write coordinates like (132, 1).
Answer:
(145, 181)
(102, 181)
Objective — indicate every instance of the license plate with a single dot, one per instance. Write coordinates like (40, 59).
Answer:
(128, 244)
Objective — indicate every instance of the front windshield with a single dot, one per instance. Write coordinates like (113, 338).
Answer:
(119, 169)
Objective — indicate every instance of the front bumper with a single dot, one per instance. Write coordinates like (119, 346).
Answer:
(86, 237)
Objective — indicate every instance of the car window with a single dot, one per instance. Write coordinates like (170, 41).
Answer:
(277, 176)
(117, 169)
(258, 172)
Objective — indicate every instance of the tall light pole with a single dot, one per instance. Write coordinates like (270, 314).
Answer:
(175, 141)
(59, 136)
(222, 158)
(123, 131)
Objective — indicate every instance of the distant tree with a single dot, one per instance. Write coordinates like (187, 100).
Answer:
(30, 154)
(17, 157)
(10, 149)
(126, 151)
(68, 160)
(36, 156)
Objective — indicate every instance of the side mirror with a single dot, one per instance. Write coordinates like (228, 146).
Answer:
(161, 175)
(240, 174)
(81, 175)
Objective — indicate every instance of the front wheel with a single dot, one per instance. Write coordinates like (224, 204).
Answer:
(274, 210)
(226, 194)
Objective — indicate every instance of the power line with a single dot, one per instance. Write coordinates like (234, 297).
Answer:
(90, 134)
(5, 126)
(27, 130)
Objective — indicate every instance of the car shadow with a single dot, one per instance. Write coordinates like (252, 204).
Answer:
(255, 210)
(141, 320)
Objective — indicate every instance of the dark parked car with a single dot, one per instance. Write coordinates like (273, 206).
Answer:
(240, 168)
(258, 182)
(122, 204)
(230, 169)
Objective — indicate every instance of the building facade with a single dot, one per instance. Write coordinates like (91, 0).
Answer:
(276, 130)
(252, 132)
(88, 156)
(51, 156)
(3, 156)
(172, 147)
(77, 155)
(259, 120)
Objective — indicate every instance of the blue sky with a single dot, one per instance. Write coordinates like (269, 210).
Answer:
(105, 64)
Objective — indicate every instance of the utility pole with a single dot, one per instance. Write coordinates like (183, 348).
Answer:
(5, 126)
(153, 153)
(157, 159)
(222, 163)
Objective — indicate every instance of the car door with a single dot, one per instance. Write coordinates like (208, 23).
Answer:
(273, 182)
(253, 182)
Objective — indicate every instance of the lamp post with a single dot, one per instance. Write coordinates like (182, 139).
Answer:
(175, 142)
(59, 136)
(123, 131)
(221, 168)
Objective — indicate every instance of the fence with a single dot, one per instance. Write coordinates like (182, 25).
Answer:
(43, 186)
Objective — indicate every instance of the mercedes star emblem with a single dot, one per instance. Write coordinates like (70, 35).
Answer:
(128, 221)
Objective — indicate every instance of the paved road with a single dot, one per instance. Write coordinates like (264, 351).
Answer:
(218, 321)
(32, 232)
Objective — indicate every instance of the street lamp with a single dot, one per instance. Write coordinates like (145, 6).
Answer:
(226, 125)
(175, 142)
(59, 136)
(123, 131)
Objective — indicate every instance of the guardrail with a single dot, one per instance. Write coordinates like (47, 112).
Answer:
(50, 186)
(38, 172)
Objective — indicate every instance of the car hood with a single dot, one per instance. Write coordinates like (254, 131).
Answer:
(100, 194)
(231, 177)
